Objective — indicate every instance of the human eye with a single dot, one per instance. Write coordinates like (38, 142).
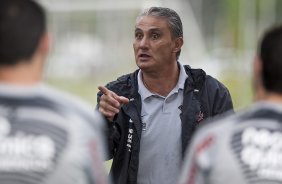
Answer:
(155, 36)
(138, 35)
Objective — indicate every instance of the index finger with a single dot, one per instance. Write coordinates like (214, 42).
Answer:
(104, 90)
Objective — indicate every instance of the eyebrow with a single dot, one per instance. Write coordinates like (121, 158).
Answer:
(137, 29)
(150, 30)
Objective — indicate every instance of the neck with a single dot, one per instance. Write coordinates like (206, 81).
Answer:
(161, 83)
(271, 97)
(25, 73)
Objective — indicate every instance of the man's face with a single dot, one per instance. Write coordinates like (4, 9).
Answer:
(154, 46)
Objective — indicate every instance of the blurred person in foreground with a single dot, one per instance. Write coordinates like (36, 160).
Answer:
(153, 112)
(245, 148)
(46, 136)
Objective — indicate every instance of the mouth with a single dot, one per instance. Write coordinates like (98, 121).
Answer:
(144, 56)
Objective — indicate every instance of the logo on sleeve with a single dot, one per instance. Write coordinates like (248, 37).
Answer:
(200, 117)
(129, 136)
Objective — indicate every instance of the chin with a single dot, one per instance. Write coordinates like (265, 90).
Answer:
(143, 65)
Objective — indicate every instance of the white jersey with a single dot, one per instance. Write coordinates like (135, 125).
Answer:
(245, 148)
(48, 137)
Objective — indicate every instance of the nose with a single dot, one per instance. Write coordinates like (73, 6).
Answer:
(144, 43)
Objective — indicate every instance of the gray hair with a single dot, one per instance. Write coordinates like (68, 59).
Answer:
(170, 16)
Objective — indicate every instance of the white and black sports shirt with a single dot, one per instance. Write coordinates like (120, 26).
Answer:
(245, 148)
(48, 137)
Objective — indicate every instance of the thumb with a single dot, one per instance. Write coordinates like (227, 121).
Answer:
(123, 100)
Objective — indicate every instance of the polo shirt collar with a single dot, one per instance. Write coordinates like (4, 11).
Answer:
(145, 93)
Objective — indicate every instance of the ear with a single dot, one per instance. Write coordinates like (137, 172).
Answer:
(259, 89)
(44, 44)
(257, 68)
(178, 42)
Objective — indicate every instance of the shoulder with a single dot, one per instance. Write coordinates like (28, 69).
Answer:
(212, 82)
(71, 107)
(217, 125)
(201, 79)
(262, 118)
(84, 127)
(125, 84)
(63, 98)
(228, 122)
(215, 133)
(197, 74)
(125, 78)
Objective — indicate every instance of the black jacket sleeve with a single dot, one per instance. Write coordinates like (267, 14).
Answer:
(111, 132)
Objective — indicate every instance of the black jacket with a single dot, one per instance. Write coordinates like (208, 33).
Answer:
(204, 97)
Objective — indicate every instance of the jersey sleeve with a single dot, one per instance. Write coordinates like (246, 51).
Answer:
(198, 160)
(96, 151)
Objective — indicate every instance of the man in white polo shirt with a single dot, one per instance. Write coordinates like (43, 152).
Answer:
(153, 112)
